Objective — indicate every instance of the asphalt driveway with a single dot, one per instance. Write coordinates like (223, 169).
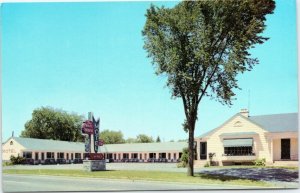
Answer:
(275, 175)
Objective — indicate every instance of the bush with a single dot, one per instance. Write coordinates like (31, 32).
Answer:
(185, 156)
(260, 162)
(181, 165)
(16, 160)
(207, 164)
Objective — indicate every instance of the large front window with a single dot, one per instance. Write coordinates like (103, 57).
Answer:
(238, 147)
(236, 151)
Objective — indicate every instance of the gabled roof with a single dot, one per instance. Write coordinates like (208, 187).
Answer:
(49, 145)
(287, 122)
(65, 146)
(278, 122)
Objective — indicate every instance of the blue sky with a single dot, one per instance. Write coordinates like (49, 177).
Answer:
(83, 57)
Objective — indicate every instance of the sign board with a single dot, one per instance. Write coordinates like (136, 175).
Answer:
(95, 156)
(87, 127)
(96, 134)
(100, 142)
(87, 144)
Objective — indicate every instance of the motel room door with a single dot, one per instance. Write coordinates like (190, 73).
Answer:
(203, 147)
(285, 149)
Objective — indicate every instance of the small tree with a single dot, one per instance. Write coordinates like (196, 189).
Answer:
(158, 139)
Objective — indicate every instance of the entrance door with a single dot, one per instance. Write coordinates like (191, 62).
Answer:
(285, 148)
(203, 154)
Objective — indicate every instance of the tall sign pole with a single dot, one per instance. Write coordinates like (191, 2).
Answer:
(90, 129)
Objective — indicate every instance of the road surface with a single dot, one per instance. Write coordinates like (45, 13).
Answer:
(21, 183)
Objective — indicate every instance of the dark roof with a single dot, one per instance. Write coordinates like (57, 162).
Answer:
(277, 122)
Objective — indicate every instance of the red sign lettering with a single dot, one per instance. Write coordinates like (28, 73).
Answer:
(87, 127)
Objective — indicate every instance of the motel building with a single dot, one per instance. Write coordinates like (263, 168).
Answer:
(240, 140)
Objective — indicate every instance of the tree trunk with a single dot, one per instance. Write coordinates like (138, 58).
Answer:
(190, 171)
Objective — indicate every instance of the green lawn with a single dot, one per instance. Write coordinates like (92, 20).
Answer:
(145, 175)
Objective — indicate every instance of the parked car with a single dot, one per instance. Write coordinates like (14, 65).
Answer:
(28, 161)
(111, 160)
(61, 161)
(77, 161)
(50, 161)
(151, 160)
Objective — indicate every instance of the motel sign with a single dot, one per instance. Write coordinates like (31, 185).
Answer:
(90, 129)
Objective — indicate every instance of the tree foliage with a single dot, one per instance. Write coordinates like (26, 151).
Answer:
(50, 123)
(112, 137)
(201, 47)
(142, 138)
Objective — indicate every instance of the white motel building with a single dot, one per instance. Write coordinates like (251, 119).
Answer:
(240, 140)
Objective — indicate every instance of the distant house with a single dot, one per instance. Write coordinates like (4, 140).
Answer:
(244, 138)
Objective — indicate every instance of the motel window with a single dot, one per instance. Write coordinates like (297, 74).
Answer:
(109, 156)
(77, 155)
(162, 155)
(125, 155)
(27, 154)
(67, 156)
(169, 155)
(140, 156)
(72, 156)
(36, 156)
(60, 155)
(43, 155)
(152, 155)
(134, 155)
(238, 147)
(174, 156)
(50, 155)
(236, 151)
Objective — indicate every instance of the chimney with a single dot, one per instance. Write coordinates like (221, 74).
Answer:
(244, 112)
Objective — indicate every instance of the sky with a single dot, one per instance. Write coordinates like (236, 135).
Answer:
(82, 57)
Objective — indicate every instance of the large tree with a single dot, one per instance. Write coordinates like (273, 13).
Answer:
(112, 137)
(201, 47)
(50, 123)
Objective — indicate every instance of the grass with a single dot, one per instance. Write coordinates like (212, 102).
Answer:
(145, 175)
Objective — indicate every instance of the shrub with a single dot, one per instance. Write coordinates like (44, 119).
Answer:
(185, 156)
(260, 162)
(207, 164)
(16, 160)
(181, 165)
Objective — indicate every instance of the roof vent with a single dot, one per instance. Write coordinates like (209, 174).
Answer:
(244, 112)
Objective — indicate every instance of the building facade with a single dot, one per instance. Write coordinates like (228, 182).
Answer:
(42, 149)
(240, 140)
(243, 139)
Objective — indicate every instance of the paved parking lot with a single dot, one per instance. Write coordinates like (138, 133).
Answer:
(280, 176)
